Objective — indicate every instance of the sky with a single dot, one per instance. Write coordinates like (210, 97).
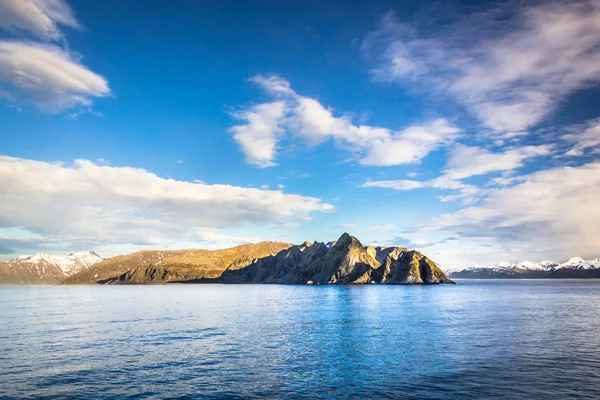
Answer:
(469, 131)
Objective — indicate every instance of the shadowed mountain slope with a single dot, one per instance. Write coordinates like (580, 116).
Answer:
(346, 261)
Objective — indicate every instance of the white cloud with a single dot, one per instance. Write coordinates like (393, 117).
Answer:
(552, 214)
(106, 204)
(274, 84)
(46, 76)
(37, 17)
(317, 123)
(589, 138)
(307, 118)
(410, 145)
(258, 137)
(511, 67)
(465, 162)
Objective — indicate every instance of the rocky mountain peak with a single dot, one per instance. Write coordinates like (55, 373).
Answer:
(347, 261)
(347, 240)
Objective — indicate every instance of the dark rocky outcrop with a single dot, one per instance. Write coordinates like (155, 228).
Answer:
(347, 261)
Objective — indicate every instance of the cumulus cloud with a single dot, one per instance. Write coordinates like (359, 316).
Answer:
(106, 204)
(258, 136)
(410, 145)
(46, 76)
(551, 214)
(510, 66)
(305, 117)
(39, 18)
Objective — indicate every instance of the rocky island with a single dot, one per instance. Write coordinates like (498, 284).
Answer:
(345, 261)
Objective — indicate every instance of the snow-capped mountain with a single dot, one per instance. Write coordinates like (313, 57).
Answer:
(575, 267)
(70, 264)
(45, 268)
(526, 265)
(580, 263)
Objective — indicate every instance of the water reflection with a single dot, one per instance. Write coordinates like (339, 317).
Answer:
(477, 339)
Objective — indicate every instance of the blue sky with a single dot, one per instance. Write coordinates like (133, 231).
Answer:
(469, 131)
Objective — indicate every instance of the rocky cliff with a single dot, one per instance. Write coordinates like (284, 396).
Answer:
(346, 261)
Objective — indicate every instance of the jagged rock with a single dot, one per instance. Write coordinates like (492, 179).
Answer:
(346, 261)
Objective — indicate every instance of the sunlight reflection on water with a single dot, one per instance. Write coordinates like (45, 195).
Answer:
(478, 339)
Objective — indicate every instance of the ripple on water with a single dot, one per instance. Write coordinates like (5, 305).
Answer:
(478, 339)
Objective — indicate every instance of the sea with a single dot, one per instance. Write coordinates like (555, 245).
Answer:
(479, 339)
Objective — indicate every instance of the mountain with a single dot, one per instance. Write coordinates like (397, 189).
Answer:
(343, 261)
(575, 267)
(158, 266)
(45, 268)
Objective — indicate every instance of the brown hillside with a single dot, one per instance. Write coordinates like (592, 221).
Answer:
(161, 266)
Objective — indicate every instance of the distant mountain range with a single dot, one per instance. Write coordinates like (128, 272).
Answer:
(45, 268)
(340, 262)
(575, 267)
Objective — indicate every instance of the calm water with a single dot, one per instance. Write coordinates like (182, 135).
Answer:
(478, 339)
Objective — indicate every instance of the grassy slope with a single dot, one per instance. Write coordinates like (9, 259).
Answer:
(157, 266)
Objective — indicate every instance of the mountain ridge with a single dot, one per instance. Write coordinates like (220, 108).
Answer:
(575, 267)
(344, 261)
(42, 268)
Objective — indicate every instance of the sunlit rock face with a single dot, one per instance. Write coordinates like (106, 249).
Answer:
(347, 261)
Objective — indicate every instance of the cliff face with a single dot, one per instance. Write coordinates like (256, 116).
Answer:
(347, 261)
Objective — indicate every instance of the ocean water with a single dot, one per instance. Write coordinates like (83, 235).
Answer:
(535, 339)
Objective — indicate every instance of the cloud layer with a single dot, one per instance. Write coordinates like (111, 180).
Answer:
(107, 204)
(39, 18)
(46, 76)
(465, 162)
(551, 214)
(304, 117)
(510, 66)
